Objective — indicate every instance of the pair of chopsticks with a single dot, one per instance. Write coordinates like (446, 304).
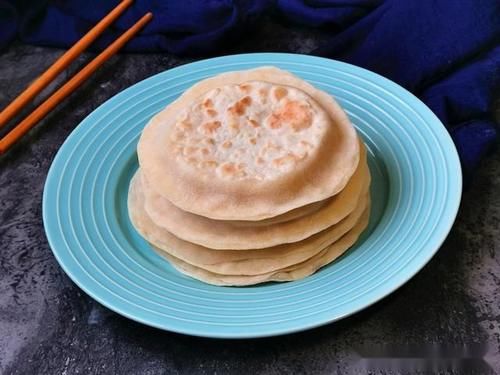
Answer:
(48, 76)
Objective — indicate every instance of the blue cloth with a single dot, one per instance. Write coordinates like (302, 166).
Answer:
(183, 27)
(445, 52)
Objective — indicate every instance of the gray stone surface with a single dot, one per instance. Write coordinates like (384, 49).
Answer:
(48, 326)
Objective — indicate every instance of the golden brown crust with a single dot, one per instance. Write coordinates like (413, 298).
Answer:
(264, 141)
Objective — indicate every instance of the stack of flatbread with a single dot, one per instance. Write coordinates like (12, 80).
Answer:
(250, 176)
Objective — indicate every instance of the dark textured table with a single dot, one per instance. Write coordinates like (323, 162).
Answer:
(48, 326)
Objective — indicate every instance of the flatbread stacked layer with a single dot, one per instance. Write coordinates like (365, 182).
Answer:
(250, 176)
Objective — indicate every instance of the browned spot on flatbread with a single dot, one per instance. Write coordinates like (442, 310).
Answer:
(209, 164)
(245, 87)
(246, 101)
(280, 93)
(253, 123)
(239, 108)
(294, 113)
(184, 125)
(209, 128)
(208, 141)
(228, 169)
(227, 144)
(289, 158)
(234, 126)
(211, 112)
(275, 121)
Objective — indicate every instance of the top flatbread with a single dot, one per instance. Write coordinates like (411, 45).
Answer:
(249, 145)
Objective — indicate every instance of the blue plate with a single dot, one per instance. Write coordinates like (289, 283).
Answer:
(416, 193)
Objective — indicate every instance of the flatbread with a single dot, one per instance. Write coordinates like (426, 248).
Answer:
(235, 262)
(294, 272)
(306, 150)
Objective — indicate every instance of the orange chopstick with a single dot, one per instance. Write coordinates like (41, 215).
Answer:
(70, 55)
(41, 111)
